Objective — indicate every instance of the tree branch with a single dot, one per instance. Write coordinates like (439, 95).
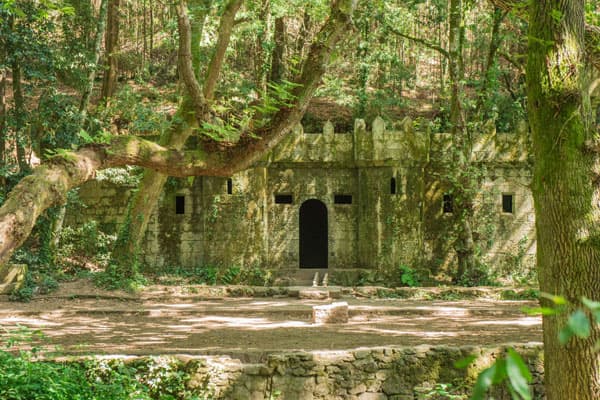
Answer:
(592, 32)
(49, 183)
(423, 42)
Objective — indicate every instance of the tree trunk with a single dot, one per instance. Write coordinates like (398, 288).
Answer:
(262, 58)
(143, 203)
(20, 139)
(495, 42)
(565, 188)
(461, 179)
(199, 11)
(3, 118)
(87, 92)
(111, 45)
(278, 51)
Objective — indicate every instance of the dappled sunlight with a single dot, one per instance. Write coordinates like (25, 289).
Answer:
(255, 326)
(525, 321)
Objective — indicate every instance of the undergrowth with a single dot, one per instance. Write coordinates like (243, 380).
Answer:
(26, 375)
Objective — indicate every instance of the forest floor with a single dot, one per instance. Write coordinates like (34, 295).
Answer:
(82, 319)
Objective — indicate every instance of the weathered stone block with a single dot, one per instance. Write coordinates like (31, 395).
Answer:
(335, 313)
(313, 294)
(372, 396)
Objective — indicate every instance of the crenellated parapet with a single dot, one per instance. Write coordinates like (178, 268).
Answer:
(402, 142)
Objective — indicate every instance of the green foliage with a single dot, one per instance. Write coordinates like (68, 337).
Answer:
(133, 112)
(444, 391)
(208, 274)
(480, 275)
(510, 370)
(116, 277)
(85, 240)
(230, 276)
(408, 276)
(129, 175)
(24, 376)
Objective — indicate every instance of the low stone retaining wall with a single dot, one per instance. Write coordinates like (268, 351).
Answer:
(363, 374)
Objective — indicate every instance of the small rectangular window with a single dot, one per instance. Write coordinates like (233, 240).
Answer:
(229, 186)
(448, 204)
(393, 186)
(342, 199)
(179, 204)
(283, 199)
(508, 204)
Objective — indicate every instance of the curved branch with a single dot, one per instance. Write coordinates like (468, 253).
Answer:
(423, 42)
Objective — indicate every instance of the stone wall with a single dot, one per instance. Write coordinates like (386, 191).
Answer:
(240, 223)
(363, 374)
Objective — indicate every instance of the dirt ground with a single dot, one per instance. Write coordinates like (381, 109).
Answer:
(81, 319)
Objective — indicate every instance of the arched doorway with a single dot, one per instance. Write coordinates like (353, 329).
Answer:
(313, 234)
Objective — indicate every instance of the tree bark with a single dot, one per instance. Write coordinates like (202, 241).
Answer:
(262, 57)
(224, 33)
(3, 117)
(19, 110)
(565, 188)
(460, 171)
(495, 42)
(87, 92)
(111, 45)
(199, 11)
(278, 51)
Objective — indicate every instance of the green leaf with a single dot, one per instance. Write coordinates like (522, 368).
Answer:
(484, 382)
(465, 362)
(565, 335)
(518, 374)
(579, 324)
(558, 300)
(85, 136)
(591, 304)
(539, 311)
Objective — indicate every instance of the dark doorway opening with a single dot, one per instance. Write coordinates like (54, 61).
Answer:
(313, 234)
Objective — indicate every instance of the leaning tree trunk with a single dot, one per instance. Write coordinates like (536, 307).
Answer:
(127, 247)
(565, 188)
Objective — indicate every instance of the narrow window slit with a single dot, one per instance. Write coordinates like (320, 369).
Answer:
(508, 205)
(393, 186)
(179, 204)
(448, 204)
(284, 199)
(342, 199)
(229, 186)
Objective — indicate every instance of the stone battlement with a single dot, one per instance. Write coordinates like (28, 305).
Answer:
(402, 144)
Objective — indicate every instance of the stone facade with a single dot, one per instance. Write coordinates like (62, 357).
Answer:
(342, 201)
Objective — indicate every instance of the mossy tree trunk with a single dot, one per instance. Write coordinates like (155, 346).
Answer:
(565, 188)
(127, 247)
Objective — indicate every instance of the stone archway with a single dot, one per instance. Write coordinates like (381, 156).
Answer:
(313, 234)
